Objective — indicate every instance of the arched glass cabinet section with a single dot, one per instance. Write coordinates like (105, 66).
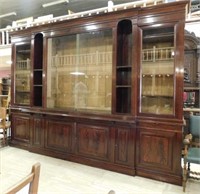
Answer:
(124, 66)
(37, 69)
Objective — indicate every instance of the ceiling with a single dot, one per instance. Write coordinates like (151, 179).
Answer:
(34, 8)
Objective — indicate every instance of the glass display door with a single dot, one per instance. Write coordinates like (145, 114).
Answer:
(79, 73)
(157, 71)
(22, 74)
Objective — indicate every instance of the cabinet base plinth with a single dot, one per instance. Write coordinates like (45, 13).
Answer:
(128, 170)
(160, 176)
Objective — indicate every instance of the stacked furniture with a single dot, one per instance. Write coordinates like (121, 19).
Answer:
(6, 81)
(5, 91)
(4, 126)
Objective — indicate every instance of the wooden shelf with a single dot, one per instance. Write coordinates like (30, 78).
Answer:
(191, 88)
(191, 109)
(3, 95)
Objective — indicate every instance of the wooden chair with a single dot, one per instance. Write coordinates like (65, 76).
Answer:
(192, 150)
(111, 192)
(32, 180)
(4, 125)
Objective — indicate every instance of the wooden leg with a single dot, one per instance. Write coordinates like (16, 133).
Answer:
(4, 137)
(184, 175)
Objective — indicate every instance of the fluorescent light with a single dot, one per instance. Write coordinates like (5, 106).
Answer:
(110, 5)
(77, 73)
(8, 14)
(55, 3)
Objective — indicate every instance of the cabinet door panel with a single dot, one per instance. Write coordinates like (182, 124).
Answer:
(37, 132)
(20, 129)
(93, 141)
(156, 149)
(58, 135)
(125, 146)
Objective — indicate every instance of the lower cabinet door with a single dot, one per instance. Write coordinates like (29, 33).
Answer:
(125, 146)
(159, 154)
(20, 129)
(37, 132)
(94, 141)
(58, 135)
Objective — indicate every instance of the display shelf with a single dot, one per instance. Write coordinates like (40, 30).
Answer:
(123, 93)
(157, 95)
(123, 76)
(158, 75)
(38, 77)
(38, 70)
(124, 67)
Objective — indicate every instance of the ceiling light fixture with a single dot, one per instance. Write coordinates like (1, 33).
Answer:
(55, 3)
(7, 14)
(110, 5)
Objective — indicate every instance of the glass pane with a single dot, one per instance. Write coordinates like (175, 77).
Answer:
(22, 74)
(157, 71)
(80, 71)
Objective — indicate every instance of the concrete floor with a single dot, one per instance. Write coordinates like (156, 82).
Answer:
(63, 177)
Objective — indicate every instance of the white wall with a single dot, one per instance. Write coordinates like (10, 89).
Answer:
(5, 61)
(193, 27)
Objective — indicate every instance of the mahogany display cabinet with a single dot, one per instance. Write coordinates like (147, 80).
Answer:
(104, 90)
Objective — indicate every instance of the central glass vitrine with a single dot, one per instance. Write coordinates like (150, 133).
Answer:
(79, 73)
(157, 71)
